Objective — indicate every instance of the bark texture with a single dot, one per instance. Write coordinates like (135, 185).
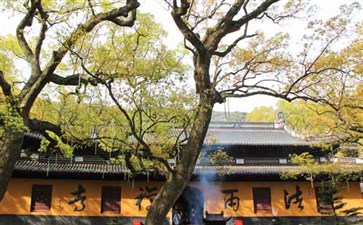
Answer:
(9, 153)
(203, 49)
(181, 175)
(179, 179)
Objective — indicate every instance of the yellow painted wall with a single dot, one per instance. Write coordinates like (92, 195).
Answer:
(18, 197)
(214, 202)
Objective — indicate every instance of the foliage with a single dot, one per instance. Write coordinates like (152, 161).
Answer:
(333, 203)
(261, 114)
(12, 120)
(304, 159)
(63, 148)
(149, 99)
(150, 112)
(328, 195)
(304, 117)
(220, 157)
(310, 169)
(147, 90)
(45, 35)
(330, 203)
(321, 121)
(215, 157)
(9, 47)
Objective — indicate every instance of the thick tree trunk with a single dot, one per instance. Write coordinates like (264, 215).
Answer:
(9, 152)
(177, 181)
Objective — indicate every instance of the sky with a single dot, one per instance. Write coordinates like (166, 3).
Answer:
(326, 9)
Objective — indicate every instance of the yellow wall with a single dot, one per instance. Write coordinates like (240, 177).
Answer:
(18, 197)
(214, 202)
(17, 200)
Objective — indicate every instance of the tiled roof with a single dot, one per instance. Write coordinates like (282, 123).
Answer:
(94, 168)
(244, 170)
(251, 133)
(243, 136)
(27, 165)
(238, 133)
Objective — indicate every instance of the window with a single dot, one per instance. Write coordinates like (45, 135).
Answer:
(111, 199)
(262, 200)
(41, 198)
(324, 201)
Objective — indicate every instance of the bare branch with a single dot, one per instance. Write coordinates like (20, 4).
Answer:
(186, 31)
(26, 22)
(351, 106)
(43, 29)
(227, 25)
(202, 19)
(182, 9)
(231, 46)
(255, 13)
(226, 20)
(91, 7)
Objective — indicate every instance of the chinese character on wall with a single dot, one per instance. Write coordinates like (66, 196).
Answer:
(297, 196)
(231, 200)
(78, 197)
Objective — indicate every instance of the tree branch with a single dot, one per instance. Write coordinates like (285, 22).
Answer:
(138, 138)
(255, 13)
(27, 21)
(42, 126)
(130, 121)
(43, 30)
(231, 46)
(186, 31)
(91, 7)
(38, 79)
(228, 25)
(72, 80)
(5, 86)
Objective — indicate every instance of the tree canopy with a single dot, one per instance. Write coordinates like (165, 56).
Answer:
(150, 111)
(45, 35)
(261, 114)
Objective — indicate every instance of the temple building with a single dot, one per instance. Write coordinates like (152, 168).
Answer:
(244, 188)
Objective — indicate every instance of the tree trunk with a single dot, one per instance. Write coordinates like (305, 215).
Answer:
(9, 153)
(178, 180)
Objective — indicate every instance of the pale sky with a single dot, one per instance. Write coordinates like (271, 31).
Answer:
(327, 8)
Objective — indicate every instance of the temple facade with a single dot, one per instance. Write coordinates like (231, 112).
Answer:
(245, 189)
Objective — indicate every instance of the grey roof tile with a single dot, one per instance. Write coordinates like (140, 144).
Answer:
(236, 136)
(36, 166)
(244, 170)
(239, 133)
